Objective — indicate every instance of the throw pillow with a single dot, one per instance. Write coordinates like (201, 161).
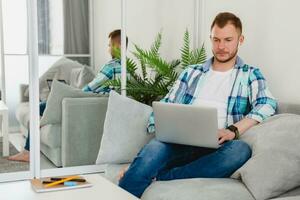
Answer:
(124, 132)
(61, 70)
(274, 166)
(81, 77)
(59, 91)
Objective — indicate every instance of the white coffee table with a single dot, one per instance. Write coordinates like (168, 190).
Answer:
(102, 189)
(4, 130)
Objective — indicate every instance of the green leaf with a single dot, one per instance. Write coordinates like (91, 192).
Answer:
(185, 50)
(156, 45)
(147, 89)
(198, 56)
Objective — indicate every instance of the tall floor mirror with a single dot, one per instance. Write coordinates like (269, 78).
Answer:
(65, 66)
(14, 86)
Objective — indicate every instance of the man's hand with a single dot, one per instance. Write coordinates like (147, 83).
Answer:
(122, 172)
(225, 135)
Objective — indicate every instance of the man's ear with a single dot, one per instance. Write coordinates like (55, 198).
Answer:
(241, 39)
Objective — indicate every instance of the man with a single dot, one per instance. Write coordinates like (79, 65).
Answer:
(237, 90)
(110, 71)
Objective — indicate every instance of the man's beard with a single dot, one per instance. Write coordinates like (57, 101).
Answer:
(228, 59)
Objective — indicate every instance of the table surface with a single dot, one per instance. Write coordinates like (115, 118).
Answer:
(101, 189)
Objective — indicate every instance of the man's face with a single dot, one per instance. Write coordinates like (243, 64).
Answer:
(113, 43)
(225, 42)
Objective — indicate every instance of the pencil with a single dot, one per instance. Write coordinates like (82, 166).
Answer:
(61, 181)
(76, 179)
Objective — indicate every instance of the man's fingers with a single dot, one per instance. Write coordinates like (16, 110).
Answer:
(221, 134)
(223, 139)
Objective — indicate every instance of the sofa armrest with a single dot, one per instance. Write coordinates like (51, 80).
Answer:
(82, 128)
(24, 93)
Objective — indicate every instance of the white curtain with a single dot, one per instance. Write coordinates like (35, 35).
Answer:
(76, 26)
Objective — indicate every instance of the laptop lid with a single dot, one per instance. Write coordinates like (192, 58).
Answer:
(186, 124)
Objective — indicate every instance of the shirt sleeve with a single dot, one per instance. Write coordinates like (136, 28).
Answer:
(263, 104)
(105, 74)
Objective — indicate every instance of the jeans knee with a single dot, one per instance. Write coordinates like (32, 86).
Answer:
(153, 148)
(151, 157)
(238, 150)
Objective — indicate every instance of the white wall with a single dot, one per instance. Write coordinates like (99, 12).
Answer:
(144, 20)
(271, 29)
(107, 17)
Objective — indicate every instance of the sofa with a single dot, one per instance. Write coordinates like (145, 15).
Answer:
(57, 140)
(87, 135)
(78, 142)
(209, 188)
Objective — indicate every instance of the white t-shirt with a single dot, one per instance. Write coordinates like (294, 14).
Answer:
(215, 92)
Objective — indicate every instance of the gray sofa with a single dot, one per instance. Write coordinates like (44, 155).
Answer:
(79, 145)
(71, 143)
(58, 141)
(204, 188)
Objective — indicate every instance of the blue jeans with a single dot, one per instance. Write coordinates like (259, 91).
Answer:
(165, 161)
(42, 109)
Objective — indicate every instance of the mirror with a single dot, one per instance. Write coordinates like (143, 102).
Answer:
(64, 55)
(14, 84)
(63, 27)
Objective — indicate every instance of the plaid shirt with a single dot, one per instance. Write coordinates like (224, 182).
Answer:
(110, 71)
(249, 97)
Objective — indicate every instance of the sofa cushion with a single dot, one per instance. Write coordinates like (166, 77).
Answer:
(81, 77)
(59, 91)
(53, 154)
(51, 135)
(291, 108)
(274, 166)
(288, 198)
(197, 189)
(292, 193)
(61, 70)
(124, 132)
(112, 172)
(22, 114)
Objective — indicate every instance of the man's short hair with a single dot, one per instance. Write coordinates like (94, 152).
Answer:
(116, 34)
(225, 18)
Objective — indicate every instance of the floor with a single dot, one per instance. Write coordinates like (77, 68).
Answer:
(18, 140)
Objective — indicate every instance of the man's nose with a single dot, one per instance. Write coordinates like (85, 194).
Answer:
(221, 45)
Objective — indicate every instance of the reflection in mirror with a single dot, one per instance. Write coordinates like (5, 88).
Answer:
(63, 27)
(64, 56)
(14, 85)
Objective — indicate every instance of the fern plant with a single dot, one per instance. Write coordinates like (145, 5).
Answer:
(146, 89)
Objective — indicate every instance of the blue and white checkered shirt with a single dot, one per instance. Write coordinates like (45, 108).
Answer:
(250, 96)
(110, 71)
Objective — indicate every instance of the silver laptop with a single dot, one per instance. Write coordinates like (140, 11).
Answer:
(186, 124)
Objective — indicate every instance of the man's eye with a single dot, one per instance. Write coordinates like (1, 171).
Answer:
(228, 40)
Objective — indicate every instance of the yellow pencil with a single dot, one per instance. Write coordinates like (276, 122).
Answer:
(61, 181)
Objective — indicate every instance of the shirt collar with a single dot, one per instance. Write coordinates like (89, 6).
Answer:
(207, 65)
(114, 60)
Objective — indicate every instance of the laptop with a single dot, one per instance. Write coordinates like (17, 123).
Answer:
(186, 124)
